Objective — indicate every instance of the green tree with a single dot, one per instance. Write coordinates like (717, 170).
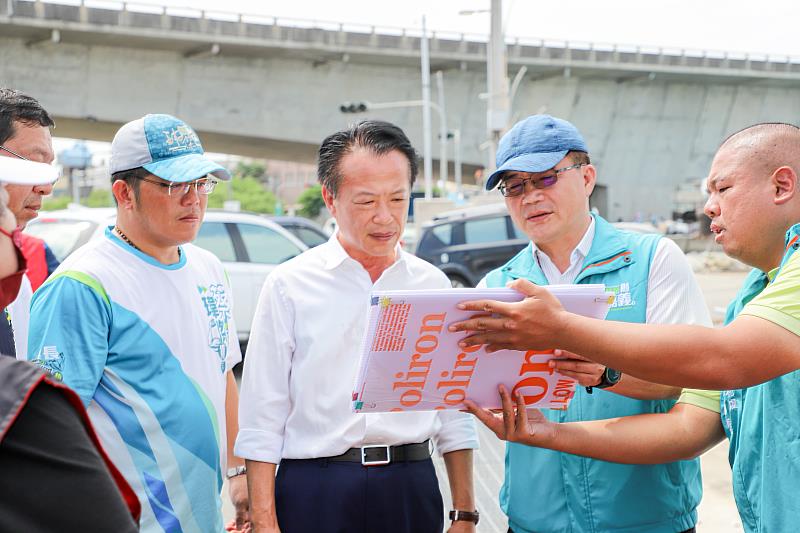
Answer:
(55, 203)
(251, 170)
(311, 202)
(99, 198)
(248, 191)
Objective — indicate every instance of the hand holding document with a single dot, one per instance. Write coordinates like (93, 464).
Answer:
(411, 362)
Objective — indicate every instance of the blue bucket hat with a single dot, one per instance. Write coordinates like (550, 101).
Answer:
(164, 146)
(535, 144)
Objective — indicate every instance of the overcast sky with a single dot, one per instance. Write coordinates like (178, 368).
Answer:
(761, 27)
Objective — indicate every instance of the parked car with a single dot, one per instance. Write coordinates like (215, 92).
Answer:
(248, 245)
(636, 227)
(468, 243)
(304, 229)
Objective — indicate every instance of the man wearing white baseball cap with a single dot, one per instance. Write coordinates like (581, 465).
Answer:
(140, 325)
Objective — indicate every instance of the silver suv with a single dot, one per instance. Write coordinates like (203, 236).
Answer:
(249, 246)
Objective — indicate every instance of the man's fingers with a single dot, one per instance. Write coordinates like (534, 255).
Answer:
(584, 380)
(508, 411)
(576, 365)
(497, 346)
(242, 517)
(525, 287)
(486, 306)
(493, 341)
(480, 323)
(522, 414)
(487, 418)
(565, 354)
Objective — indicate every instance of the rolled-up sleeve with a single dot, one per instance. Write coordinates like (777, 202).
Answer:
(456, 432)
(265, 401)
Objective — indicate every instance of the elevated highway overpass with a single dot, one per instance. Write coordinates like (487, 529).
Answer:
(265, 87)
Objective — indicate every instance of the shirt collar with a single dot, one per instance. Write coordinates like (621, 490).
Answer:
(580, 252)
(335, 254)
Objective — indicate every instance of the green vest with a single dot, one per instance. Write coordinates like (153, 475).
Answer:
(547, 491)
(763, 425)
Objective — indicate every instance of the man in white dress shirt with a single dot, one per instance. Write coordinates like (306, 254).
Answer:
(302, 359)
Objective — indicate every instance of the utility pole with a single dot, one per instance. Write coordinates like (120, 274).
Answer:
(457, 162)
(497, 81)
(427, 163)
(442, 129)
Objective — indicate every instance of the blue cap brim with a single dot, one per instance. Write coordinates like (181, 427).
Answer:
(526, 163)
(187, 167)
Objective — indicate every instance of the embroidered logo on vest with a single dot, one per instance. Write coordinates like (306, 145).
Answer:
(622, 296)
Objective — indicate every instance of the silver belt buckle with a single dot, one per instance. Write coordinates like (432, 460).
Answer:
(376, 462)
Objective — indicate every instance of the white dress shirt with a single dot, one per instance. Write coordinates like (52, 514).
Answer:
(302, 360)
(673, 295)
(20, 313)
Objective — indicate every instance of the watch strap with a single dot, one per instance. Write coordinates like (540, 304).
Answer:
(236, 471)
(608, 378)
(465, 516)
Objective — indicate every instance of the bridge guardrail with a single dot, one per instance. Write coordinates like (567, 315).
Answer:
(345, 35)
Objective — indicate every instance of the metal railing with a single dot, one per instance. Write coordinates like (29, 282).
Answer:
(464, 46)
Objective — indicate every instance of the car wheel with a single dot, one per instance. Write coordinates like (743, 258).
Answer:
(458, 282)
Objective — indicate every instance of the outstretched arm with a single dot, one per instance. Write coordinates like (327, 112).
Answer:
(748, 351)
(684, 432)
(588, 374)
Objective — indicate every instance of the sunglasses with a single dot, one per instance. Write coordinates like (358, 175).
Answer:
(516, 186)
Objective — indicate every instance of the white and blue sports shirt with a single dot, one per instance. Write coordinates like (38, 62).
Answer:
(147, 347)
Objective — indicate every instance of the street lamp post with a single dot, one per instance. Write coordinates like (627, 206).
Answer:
(497, 78)
(427, 163)
(497, 95)
(442, 129)
(457, 161)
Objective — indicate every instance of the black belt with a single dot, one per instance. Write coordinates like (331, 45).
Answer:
(381, 454)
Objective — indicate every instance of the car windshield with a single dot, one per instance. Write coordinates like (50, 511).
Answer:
(309, 237)
(63, 236)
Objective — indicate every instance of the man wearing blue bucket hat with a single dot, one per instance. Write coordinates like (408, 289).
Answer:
(140, 325)
(546, 177)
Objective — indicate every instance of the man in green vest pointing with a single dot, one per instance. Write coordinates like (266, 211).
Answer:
(546, 177)
(754, 206)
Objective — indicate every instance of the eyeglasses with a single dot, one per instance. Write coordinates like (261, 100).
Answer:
(12, 152)
(204, 186)
(516, 186)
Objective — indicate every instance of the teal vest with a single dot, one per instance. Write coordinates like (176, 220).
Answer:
(763, 425)
(547, 491)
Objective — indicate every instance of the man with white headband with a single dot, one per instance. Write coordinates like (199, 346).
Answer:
(24, 136)
(36, 412)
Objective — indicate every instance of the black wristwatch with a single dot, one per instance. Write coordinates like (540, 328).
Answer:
(466, 516)
(609, 378)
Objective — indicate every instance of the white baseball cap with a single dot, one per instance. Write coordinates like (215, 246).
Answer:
(24, 172)
(164, 146)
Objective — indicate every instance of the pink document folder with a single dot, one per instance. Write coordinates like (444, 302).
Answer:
(411, 362)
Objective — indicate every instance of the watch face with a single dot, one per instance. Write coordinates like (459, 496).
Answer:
(612, 375)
